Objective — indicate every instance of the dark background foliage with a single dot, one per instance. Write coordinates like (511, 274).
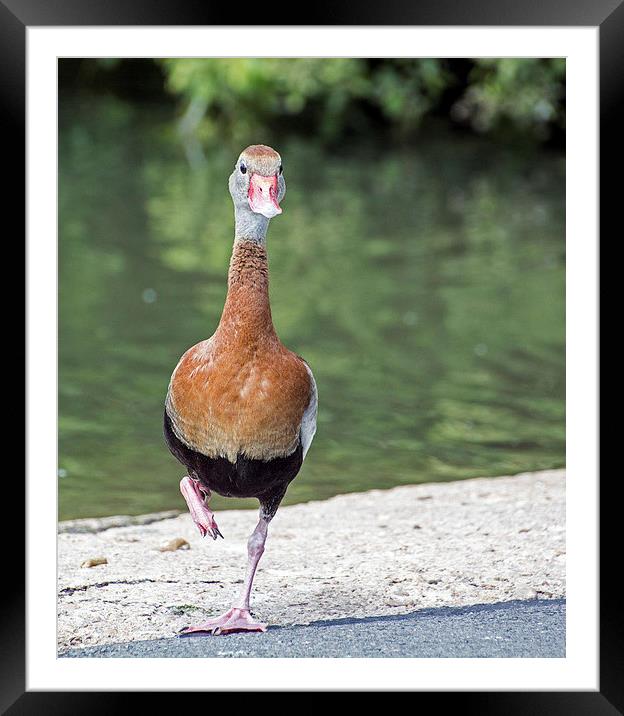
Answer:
(343, 98)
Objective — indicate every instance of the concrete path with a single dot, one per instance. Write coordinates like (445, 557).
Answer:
(354, 556)
(533, 628)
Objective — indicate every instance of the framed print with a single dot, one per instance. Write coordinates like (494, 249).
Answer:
(430, 339)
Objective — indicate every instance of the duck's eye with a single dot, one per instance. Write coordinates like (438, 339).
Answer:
(281, 169)
(243, 168)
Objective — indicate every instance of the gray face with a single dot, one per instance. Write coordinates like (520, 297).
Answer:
(257, 185)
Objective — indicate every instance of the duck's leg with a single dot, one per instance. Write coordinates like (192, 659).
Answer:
(196, 497)
(239, 618)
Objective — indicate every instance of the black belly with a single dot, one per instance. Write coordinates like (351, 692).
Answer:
(266, 480)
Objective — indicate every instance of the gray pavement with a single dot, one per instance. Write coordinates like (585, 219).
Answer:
(534, 628)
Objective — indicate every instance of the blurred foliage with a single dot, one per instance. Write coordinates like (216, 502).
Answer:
(243, 94)
(333, 98)
(430, 303)
(526, 93)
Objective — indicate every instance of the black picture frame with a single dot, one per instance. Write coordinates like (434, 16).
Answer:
(608, 15)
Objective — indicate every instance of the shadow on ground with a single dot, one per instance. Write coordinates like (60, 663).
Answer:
(534, 628)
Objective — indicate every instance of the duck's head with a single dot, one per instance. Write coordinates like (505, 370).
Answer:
(257, 182)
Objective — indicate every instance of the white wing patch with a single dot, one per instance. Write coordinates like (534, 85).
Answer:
(308, 421)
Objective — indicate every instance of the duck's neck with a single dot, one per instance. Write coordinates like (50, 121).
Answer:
(249, 226)
(247, 309)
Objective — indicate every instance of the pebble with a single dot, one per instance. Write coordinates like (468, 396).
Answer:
(398, 600)
(524, 591)
(94, 562)
(175, 544)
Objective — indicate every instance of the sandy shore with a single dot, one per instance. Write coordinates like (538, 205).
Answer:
(379, 552)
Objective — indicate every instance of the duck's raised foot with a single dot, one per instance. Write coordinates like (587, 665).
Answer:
(202, 515)
(234, 620)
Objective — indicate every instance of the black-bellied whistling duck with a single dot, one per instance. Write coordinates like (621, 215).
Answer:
(241, 408)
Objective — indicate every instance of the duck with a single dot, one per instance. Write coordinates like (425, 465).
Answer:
(241, 408)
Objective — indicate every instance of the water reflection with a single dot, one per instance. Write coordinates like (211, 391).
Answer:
(425, 286)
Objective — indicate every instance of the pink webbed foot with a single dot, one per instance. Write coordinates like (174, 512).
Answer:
(234, 620)
(202, 515)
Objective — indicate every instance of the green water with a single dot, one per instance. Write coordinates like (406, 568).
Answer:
(424, 285)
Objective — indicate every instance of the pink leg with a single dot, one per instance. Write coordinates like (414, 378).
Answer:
(195, 496)
(239, 618)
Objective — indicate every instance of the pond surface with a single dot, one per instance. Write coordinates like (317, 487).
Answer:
(423, 284)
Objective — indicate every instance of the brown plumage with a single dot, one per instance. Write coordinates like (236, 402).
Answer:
(241, 392)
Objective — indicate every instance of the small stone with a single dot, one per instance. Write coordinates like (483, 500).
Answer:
(94, 562)
(524, 591)
(398, 600)
(175, 544)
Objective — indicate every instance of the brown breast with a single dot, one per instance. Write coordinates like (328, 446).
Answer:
(241, 391)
